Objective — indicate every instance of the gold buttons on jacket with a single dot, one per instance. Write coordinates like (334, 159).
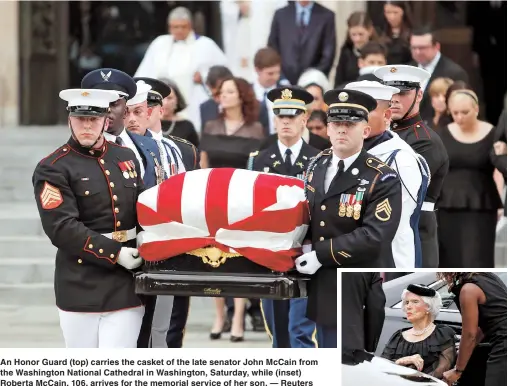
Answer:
(117, 210)
(107, 172)
(323, 207)
(115, 197)
(112, 256)
(322, 223)
(112, 184)
(321, 238)
(80, 261)
(90, 246)
(101, 250)
(87, 193)
(118, 223)
(102, 161)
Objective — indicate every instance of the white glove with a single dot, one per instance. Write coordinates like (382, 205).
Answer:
(129, 258)
(308, 263)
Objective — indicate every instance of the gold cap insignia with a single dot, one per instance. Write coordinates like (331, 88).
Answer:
(343, 96)
(286, 94)
(393, 69)
(85, 93)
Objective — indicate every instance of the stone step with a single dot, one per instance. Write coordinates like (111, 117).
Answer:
(26, 246)
(20, 193)
(20, 218)
(24, 295)
(27, 270)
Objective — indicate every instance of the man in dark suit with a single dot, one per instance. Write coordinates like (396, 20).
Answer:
(303, 33)
(426, 51)
(363, 310)
(209, 110)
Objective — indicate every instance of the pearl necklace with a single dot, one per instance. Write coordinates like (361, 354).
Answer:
(422, 332)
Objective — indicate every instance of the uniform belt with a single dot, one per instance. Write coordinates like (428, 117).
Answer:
(122, 236)
(428, 206)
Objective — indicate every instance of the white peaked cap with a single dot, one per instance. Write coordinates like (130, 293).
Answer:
(403, 73)
(376, 90)
(141, 93)
(88, 97)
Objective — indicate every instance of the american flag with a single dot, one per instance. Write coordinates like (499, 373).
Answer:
(264, 217)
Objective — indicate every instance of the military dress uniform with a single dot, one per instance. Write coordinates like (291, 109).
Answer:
(353, 220)
(87, 203)
(427, 143)
(285, 320)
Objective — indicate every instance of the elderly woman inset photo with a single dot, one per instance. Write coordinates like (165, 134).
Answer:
(425, 346)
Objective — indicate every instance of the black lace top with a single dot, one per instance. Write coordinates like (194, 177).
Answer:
(437, 351)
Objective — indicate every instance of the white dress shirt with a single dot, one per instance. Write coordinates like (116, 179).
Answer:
(295, 150)
(127, 142)
(334, 167)
(260, 96)
(430, 68)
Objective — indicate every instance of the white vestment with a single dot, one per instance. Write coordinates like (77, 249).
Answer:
(179, 61)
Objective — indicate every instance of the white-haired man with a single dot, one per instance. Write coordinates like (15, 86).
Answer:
(410, 166)
(185, 57)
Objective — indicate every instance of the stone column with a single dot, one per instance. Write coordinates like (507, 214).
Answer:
(9, 65)
(342, 11)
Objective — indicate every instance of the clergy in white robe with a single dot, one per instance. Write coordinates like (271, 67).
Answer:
(184, 57)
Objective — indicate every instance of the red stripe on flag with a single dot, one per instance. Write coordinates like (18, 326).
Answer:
(147, 216)
(216, 199)
(170, 198)
(281, 261)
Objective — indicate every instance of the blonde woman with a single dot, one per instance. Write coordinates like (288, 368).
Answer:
(437, 93)
(469, 202)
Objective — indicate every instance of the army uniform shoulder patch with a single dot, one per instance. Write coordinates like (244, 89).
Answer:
(50, 197)
(379, 166)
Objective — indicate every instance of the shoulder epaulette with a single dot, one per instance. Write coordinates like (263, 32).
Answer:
(180, 140)
(56, 155)
(380, 167)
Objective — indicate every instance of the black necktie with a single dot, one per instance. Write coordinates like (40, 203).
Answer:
(119, 141)
(340, 171)
(287, 160)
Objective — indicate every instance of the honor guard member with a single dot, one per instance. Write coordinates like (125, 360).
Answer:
(355, 204)
(169, 313)
(145, 149)
(363, 311)
(409, 165)
(409, 125)
(285, 320)
(86, 193)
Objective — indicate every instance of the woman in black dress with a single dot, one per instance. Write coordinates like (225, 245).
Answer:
(469, 202)
(396, 32)
(172, 124)
(481, 300)
(427, 347)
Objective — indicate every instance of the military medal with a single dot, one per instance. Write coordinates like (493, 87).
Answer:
(342, 206)
(123, 168)
(130, 170)
(358, 204)
(133, 165)
(349, 207)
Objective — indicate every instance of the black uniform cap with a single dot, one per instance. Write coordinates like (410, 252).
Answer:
(110, 79)
(289, 101)
(421, 290)
(159, 91)
(348, 105)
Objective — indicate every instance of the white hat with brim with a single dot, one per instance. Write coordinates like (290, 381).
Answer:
(141, 94)
(376, 90)
(88, 101)
(403, 77)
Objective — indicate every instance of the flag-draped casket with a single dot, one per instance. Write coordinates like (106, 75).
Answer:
(223, 232)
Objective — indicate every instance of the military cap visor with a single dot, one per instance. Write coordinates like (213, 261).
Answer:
(110, 79)
(348, 105)
(289, 101)
(421, 290)
(159, 91)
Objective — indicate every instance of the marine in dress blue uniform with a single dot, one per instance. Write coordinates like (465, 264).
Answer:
(144, 148)
(285, 320)
(355, 206)
(86, 193)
